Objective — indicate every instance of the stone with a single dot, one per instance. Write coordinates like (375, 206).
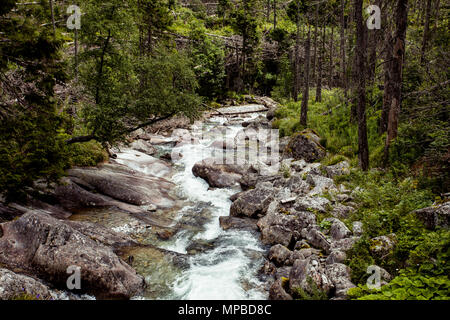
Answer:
(19, 286)
(383, 246)
(252, 203)
(227, 222)
(143, 146)
(277, 291)
(357, 228)
(46, 247)
(306, 145)
(344, 245)
(342, 212)
(339, 169)
(336, 256)
(308, 275)
(436, 216)
(321, 184)
(279, 255)
(338, 229)
(339, 275)
(313, 204)
(218, 175)
(318, 240)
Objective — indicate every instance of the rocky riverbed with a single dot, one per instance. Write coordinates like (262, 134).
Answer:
(163, 219)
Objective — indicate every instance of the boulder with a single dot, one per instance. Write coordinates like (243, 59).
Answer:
(126, 185)
(336, 256)
(318, 240)
(227, 222)
(339, 169)
(143, 146)
(252, 203)
(19, 286)
(47, 247)
(344, 245)
(339, 275)
(383, 246)
(321, 184)
(357, 228)
(436, 216)
(342, 212)
(277, 291)
(306, 145)
(338, 229)
(313, 204)
(279, 255)
(309, 276)
(218, 175)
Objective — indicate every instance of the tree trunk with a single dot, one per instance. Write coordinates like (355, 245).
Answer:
(321, 61)
(304, 107)
(426, 31)
(330, 81)
(361, 48)
(401, 21)
(52, 11)
(314, 60)
(387, 95)
(343, 64)
(296, 70)
(274, 14)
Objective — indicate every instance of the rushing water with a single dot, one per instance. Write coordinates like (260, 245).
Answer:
(227, 270)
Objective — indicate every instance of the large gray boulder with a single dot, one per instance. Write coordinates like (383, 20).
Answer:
(126, 185)
(218, 175)
(252, 203)
(305, 145)
(279, 255)
(339, 275)
(47, 247)
(436, 216)
(309, 276)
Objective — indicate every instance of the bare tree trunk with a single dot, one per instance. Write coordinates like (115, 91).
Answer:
(274, 14)
(401, 21)
(426, 31)
(361, 48)
(387, 95)
(331, 68)
(314, 60)
(343, 64)
(321, 61)
(304, 107)
(52, 11)
(297, 59)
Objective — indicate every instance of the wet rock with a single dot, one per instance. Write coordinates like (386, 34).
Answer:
(307, 203)
(18, 286)
(227, 222)
(218, 175)
(338, 229)
(339, 275)
(436, 216)
(126, 185)
(339, 169)
(143, 146)
(277, 291)
(73, 197)
(200, 246)
(306, 145)
(252, 202)
(279, 255)
(383, 246)
(45, 246)
(308, 275)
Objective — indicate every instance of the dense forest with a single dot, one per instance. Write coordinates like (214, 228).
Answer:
(370, 78)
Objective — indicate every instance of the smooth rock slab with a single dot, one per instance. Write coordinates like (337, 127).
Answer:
(45, 246)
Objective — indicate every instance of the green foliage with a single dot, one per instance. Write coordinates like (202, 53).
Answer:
(407, 286)
(315, 293)
(87, 154)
